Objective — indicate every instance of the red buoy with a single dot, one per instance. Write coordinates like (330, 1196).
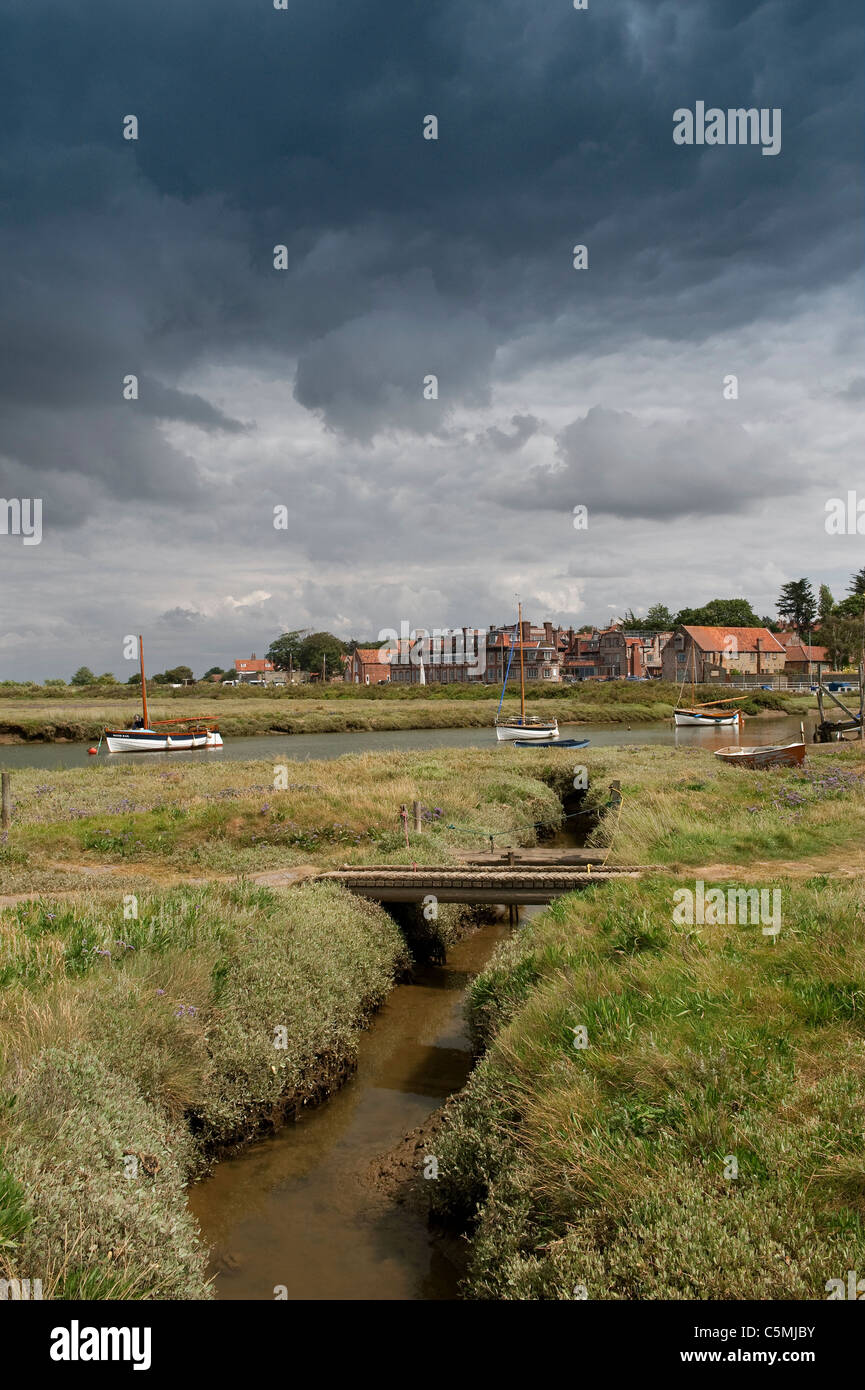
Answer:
(92, 750)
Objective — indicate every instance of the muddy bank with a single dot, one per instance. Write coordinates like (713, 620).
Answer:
(315, 1210)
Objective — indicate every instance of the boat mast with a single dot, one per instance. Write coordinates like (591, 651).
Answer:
(522, 672)
(143, 682)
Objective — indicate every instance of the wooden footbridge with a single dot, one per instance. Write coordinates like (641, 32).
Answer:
(527, 882)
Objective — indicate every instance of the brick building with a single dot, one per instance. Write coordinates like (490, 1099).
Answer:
(721, 653)
(368, 665)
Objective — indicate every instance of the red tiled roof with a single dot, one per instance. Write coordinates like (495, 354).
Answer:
(373, 656)
(714, 639)
(803, 653)
(253, 664)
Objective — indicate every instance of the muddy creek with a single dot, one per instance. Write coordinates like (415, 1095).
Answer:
(302, 1210)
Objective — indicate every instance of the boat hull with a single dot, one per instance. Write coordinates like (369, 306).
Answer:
(553, 743)
(692, 719)
(770, 755)
(525, 732)
(150, 741)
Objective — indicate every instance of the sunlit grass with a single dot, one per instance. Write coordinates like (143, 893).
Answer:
(609, 1166)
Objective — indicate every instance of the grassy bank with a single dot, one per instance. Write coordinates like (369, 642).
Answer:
(706, 1143)
(606, 1172)
(131, 1049)
(345, 709)
(227, 818)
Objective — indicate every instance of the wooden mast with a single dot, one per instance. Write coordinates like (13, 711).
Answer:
(143, 682)
(522, 673)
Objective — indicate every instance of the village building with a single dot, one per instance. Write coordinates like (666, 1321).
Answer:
(543, 650)
(721, 654)
(256, 670)
(368, 665)
(808, 661)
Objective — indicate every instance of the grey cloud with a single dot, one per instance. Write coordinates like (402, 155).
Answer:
(616, 464)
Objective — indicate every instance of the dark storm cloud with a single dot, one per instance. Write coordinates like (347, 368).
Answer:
(406, 258)
(303, 127)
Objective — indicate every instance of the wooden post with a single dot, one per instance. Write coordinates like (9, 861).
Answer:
(418, 818)
(5, 801)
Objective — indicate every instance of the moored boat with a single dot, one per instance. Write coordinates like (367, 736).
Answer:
(696, 718)
(767, 754)
(551, 743)
(527, 727)
(185, 733)
(535, 731)
(704, 716)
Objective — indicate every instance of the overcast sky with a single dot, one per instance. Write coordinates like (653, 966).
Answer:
(407, 257)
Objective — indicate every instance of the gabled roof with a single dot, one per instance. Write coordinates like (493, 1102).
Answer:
(373, 656)
(715, 639)
(259, 663)
(803, 653)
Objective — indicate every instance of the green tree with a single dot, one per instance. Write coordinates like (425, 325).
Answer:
(284, 652)
(354, 642)
(214, 671)
(842, 638)
(825, 603)
(857, 582)
(84, 676)
(322, 648)
(659, 618)
(55, 684)
(135, 680)
(797, 605)
(720, 612)
(850, 607)
(178, 674)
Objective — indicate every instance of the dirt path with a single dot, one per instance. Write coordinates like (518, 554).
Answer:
(844, 864)
(155, 876)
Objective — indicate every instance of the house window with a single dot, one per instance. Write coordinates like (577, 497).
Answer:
(546, 673)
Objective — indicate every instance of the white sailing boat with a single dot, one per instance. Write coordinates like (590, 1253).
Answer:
(698, 717)
(194, 731)
(526, 726)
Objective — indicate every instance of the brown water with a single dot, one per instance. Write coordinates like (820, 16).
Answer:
(299, 1210)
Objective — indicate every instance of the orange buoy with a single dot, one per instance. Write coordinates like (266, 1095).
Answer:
(92, 750)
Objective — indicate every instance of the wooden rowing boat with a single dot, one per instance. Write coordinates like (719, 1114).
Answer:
(767, 755)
